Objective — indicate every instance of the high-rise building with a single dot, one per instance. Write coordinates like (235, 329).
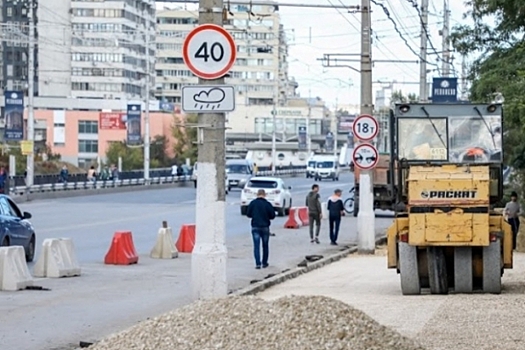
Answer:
(260, 75)
(96, 49)
(15, 34)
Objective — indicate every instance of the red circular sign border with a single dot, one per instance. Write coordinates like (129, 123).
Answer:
(229, 38)
(375, 122)
(362, 145)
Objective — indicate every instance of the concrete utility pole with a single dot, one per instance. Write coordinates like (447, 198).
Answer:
(308, 120)
(209, 256)
(423, 86)
(146, 109)
(30, 95)
(366, 216)
(445, 38)
(274, 136)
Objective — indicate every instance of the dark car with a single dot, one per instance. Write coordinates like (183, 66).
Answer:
(15, 229)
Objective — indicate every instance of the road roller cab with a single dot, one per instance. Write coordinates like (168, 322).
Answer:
(446, 174)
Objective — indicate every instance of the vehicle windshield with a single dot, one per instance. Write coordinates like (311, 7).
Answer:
(262, 184)
(325, 165)
(311, 164)
(450, 139)
(237, 169)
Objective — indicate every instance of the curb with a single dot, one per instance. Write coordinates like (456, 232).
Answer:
(288, 275)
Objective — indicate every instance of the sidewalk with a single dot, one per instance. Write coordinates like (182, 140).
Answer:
(451, 322)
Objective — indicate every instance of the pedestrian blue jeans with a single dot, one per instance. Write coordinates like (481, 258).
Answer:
(261, 234)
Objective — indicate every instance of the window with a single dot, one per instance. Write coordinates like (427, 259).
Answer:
(85, 163)
(87, 127)
(87, 146)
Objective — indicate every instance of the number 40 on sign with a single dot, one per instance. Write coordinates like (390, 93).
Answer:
(209, 51)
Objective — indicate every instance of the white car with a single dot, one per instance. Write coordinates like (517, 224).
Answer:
(277, 193)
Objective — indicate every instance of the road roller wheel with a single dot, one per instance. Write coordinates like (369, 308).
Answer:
(408, 269)
(492, 268)
(437, 270)
(463, 278)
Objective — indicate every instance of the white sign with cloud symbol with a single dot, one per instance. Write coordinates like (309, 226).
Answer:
(201, 99)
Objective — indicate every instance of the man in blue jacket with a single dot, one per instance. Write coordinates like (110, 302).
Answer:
(261, 212)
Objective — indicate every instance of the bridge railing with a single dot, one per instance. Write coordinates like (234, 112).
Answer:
(129, 178)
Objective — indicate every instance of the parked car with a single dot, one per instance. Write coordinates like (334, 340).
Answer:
(15, 228)
(277, 193)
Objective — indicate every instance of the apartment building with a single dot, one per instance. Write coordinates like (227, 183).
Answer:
(96, 49)
(260, 74)
(15, 48)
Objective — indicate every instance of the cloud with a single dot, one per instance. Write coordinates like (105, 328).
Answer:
(214, 95)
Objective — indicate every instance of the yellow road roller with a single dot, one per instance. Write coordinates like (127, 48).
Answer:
(446, 174)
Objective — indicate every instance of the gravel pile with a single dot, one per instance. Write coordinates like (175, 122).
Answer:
(241, 323)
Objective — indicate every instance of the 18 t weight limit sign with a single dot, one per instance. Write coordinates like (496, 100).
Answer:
(209, 51)
(365, 127)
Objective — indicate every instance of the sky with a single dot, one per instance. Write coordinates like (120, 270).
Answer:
(313, 32)
(334, 31)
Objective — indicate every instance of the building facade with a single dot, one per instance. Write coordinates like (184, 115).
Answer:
(260, 73)
(97, 49)
(15, 39)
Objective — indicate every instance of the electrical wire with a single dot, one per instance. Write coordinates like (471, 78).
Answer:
(425, 29)
(387, 13)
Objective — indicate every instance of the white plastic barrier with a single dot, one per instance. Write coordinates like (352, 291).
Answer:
(14, 274)
(164, 247)
(324, 207)
(57, 259)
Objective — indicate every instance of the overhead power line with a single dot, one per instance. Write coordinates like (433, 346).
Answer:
(387, 13)
(425, 29)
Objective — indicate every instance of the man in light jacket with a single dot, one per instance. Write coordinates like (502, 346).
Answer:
(336, 209)
(315, 212)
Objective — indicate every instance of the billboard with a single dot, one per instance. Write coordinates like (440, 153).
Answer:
(301, 138)
(444, 90)
(344, 123)
(329, 142)
(111, 121)
(133, 124)
(14, 116)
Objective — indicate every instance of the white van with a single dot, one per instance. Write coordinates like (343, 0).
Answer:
(326, 167)
(310, 168)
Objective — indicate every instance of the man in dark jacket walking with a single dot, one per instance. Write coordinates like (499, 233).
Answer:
(315, 212)
(261, 212)
(336, 209)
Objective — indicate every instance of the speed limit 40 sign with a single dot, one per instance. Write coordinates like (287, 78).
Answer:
(209, 51)
(365, 127)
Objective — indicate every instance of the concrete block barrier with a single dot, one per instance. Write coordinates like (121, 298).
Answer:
(57, 259)
(122, 250)
(165, 246)
(303, 215)
(186, 241)
(293, 219)
(14, 274)
(324, 207)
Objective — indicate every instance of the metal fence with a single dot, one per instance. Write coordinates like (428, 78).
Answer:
(51, 183)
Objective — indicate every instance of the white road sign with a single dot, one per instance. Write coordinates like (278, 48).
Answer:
(365, 127)
(201, 98)
(365, 156)
(209, 51)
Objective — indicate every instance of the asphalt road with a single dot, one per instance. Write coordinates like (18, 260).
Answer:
(106, 298)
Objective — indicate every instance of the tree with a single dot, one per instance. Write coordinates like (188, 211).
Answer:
(398, 96)
(158, 156)
(185, 138)
(132, 157)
